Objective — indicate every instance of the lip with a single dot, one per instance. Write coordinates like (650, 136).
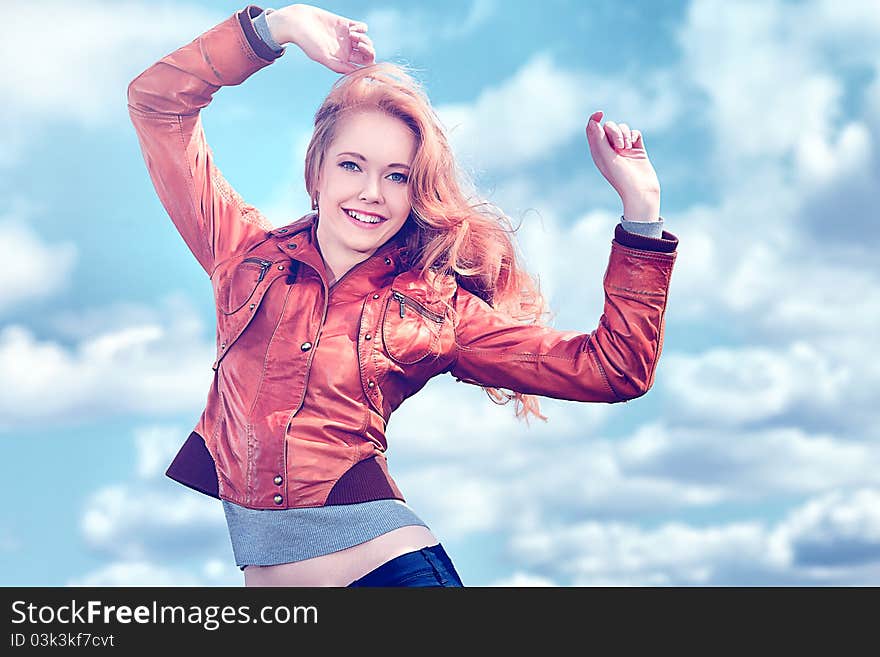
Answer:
(372, 214)
(361, 224)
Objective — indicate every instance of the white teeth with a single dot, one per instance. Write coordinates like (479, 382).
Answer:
(366, 218)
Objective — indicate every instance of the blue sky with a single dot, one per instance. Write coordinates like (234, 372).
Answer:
(752, 461)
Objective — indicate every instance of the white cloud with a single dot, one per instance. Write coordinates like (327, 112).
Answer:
(102, 47)
(156, 447)
(541, 107)
(25, 256)
(837, 530)
(416, 30)
(784, 150)
(751, 384)
(455, 420)
(735, 554)
(758, 72)
(151, 531)
(140, 520)
(576, 474)
(163, 366)
(748, 465)
(847, 154)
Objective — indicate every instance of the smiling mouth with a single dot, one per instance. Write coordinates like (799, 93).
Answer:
(364, 218)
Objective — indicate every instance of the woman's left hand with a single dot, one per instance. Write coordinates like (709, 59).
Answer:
(620, 155)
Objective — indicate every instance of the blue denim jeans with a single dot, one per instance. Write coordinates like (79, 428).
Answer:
(430, 566)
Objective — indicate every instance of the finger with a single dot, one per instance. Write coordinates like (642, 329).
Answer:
(357, 25)
(364, 58)
(625, 132)
(599, 146)
(615, 138)
(637, 139)
(365, 50)
(361, 39)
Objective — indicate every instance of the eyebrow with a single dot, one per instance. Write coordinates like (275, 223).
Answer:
(363, 159)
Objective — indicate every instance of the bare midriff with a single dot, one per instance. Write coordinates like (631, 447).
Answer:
(343, 567)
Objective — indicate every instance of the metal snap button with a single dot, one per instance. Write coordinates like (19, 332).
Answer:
(278, 480)
(305, 346)
(375, 296)
(282, 230)
(370, 384)
(368, 337)
(252, 306)
(292, 245)
(387, 261)
(278, 499)
(280, 267)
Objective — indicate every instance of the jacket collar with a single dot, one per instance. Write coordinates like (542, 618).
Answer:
(299, 241)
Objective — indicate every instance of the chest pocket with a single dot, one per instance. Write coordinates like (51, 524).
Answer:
(411, 331)
(239, 294)
(238, 287)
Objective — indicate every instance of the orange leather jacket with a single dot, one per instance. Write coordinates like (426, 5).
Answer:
(307, 374)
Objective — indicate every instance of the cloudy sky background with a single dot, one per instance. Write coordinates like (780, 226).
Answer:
(754, 459)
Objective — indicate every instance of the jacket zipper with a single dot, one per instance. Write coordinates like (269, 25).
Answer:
(264, 266)
(415, 305)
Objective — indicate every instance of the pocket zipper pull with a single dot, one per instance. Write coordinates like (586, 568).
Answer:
(400, 299)
(264, 266)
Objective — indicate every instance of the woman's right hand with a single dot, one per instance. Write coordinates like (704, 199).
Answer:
(339, 43)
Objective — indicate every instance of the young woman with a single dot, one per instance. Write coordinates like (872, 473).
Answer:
(326, 325)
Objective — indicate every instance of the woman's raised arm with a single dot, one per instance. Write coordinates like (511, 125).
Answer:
(164, 103)
(616, 362)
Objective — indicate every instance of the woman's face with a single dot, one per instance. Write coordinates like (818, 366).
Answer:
(366, 170)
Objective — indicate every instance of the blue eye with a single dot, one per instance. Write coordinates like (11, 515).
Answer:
(402, 180)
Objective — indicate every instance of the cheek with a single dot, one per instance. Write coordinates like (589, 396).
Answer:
(404, 200)
(335, 183)
(402, 211)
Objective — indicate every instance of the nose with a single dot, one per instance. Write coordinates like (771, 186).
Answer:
(371, 191)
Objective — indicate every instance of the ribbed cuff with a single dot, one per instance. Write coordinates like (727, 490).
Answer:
(246, 17)
(666, 243)
(262, 27)
(646, 228)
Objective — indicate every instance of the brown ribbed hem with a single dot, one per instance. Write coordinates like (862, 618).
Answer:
(194, 467)
(246, 17)
(365, 481)
(665, 244)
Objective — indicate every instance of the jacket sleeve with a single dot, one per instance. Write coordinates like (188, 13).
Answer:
(164, 103)
(614, 363)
